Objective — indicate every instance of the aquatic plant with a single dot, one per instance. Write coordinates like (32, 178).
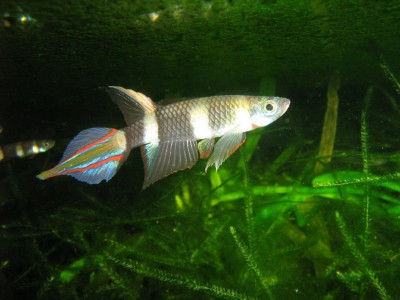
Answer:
(286, 217)
(234, 234)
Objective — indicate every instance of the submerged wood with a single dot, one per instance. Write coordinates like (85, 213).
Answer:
(327, 142)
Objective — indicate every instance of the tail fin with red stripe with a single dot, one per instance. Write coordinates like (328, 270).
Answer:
(94, 155)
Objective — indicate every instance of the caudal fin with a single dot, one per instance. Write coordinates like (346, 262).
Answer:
(94, 155)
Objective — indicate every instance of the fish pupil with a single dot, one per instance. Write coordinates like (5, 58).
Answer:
(269, 107)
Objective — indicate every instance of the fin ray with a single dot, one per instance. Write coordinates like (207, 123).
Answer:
(225, 147)
(206, 147)
(85, 137)
(133, 105)
(164, 158)
(94, 155)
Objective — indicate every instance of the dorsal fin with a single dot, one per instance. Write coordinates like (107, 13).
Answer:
(133, 105)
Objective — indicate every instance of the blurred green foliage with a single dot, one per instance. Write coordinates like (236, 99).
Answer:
(232, 234)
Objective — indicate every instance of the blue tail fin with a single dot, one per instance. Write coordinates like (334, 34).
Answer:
(94, 155)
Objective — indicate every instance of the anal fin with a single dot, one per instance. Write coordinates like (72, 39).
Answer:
(164, 158)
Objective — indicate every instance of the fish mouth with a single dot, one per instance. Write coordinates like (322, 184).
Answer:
(285, 105)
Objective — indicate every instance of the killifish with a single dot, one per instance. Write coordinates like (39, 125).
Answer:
(26, 148)
(171, 137)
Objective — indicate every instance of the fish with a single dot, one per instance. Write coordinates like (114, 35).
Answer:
(24, 149)
(171, 137)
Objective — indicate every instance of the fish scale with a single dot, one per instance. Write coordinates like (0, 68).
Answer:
(174, 121)
(223, 112)
(134, 134)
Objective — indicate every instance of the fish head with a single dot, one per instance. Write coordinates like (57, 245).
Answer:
(44, 145)
(265, 110)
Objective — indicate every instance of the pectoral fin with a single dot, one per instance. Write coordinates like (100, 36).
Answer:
(164, 158)
(205, 147)
(225, 147)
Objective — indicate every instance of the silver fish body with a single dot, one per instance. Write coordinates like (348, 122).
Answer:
(202, 118)
(169, 134)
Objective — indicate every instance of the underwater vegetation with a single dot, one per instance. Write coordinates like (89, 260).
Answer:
(306, 225)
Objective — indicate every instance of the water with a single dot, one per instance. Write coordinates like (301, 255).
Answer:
(259, 228)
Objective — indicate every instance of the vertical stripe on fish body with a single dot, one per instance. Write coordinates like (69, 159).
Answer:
(24, 149)
(168, 135)
(201, 118)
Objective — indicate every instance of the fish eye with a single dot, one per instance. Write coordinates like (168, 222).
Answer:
(270, 106)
